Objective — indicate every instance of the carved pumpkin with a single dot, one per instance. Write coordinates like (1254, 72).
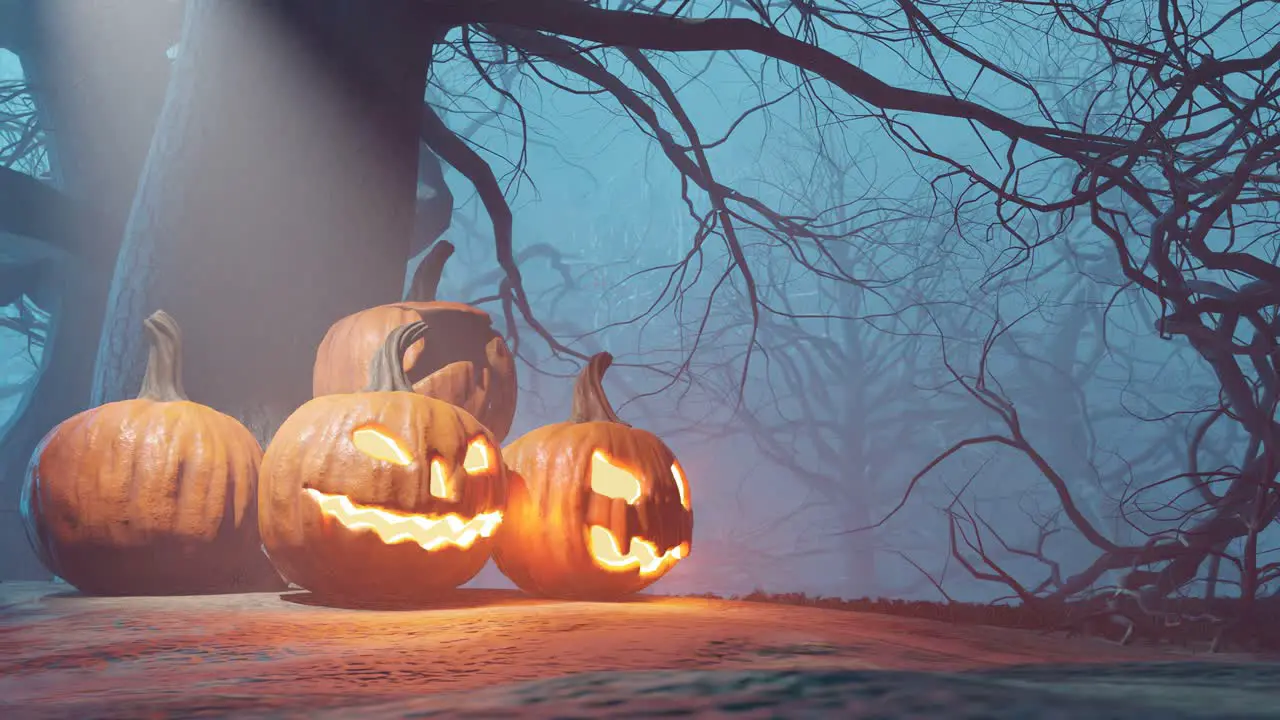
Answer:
(151, 496)
(381, 494)
(465, 362)
(595, 509)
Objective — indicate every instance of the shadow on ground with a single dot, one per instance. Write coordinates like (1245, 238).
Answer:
(1180, 691)
(451, 600)
(478, 653)
(1170, 691)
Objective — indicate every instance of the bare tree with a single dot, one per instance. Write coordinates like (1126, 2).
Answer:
(1180, 178)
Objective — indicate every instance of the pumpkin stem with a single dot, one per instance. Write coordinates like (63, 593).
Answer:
(163, 379)
(386, 371)
(589, 401)
(426, 279)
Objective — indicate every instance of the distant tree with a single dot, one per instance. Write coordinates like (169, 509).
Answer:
(1178, 178)
(94, 98)
(244, 188)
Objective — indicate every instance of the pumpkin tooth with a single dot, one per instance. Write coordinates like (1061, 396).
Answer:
(599, 510)
(618, 519)
(647, 522)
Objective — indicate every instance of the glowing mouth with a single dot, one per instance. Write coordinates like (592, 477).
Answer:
(642, 555)
(429, 532)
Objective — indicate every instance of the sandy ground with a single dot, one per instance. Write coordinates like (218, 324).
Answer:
(489, 653)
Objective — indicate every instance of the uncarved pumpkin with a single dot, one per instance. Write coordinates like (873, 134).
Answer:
(596, 509)
(464, 361)
(151, 496)
(383, 494)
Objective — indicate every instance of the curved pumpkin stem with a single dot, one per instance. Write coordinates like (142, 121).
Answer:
(426, 279)
(162, 381)
(386, 370)
(589, 401)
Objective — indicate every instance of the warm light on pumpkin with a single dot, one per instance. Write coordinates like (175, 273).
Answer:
(478, 457)
(429, 532)
(612, 481)
(681, 485)
(379, 445)
(440, 485)
(642, 555)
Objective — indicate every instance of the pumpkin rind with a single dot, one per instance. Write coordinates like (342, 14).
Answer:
(313, 449)
(543, 545)
(151, 496)
(468, 365)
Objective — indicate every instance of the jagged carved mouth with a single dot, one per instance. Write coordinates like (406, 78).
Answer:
(641, 555)
(430, 532)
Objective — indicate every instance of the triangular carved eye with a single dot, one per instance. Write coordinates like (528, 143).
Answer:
(612, 481)
(479, 457)
(379, 444)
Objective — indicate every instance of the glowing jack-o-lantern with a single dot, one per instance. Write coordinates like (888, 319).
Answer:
(595, 509)
(384, 493)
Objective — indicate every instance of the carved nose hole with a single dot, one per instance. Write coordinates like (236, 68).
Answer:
(442, 485)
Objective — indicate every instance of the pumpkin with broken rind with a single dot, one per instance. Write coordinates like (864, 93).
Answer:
(464, 361)
(383, 494)
(151, 496)
(596, 509)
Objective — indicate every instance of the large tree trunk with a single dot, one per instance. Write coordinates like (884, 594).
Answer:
(278, 195)
(97, 72)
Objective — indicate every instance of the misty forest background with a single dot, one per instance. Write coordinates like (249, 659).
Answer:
(906, 338)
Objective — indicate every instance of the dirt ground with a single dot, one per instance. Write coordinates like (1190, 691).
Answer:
(483, 653)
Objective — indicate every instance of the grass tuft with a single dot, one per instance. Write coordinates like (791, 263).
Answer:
(1190, 623)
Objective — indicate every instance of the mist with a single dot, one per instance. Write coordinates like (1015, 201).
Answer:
(882, 377)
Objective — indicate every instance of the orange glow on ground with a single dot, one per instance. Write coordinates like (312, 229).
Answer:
(429, 532)
(612, 481)
(681, 484)
(643, 555)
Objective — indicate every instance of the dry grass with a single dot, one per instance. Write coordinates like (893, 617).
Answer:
(1185, 622)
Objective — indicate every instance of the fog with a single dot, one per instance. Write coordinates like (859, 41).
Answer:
(943, 371)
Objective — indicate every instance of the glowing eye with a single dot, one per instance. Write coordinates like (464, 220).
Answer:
(440, 485)
(478, 457)
(379, 445)
(612, 481)
(681, 485)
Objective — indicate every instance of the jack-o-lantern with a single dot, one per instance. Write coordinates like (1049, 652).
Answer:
(596, 509)
(381, 494)
(464, 362)
(151, 496)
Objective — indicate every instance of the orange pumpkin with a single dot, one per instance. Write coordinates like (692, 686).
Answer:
(465, 363)
(596, 509)
(382, 494)
(150, 496)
